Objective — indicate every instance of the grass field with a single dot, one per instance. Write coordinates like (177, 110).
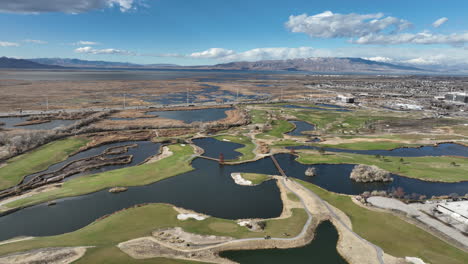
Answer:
(279, 127)
(395, 236)
(246, 150)
(424, 168)
(38, 160)
(144, 174)
(256, 178)
(141, 221)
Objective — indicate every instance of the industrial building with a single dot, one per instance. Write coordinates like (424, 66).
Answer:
(457, 97)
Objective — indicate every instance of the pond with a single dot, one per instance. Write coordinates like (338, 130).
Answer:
(190, 116)
(144, 150)
(335, 178)
(300, 127)
(321, 250)
(213, 148)
(207, 189)
(445, 149)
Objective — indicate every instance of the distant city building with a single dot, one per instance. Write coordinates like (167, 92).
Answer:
(345, 99)
(457, 97)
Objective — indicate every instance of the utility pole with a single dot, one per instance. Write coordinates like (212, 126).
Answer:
(188, 96)
(237, 96)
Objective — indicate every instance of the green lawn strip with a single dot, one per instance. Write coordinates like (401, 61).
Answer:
(144, 174)
(113, 255)
(141, 221)
(256, 178)
(395, 236)
(424, 168)
(369, 145)
(38, 160)
(293, 197)
(246, 150)
(279, 127)
(286, 143)
(258, 116)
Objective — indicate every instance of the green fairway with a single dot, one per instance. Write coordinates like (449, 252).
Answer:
(246, 150)
(424, 168)
(279, 127)
(38, 160)
(141, 221)
(395, 236)
(144, 174)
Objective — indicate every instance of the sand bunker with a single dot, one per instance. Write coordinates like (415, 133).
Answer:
(237, 177)
(184, 217)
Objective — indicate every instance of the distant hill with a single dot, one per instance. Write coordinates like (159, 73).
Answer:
(335, 65)
(11, 63)
(318, 65)
(77, 63)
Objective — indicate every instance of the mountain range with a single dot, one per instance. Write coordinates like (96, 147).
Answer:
(326, 65)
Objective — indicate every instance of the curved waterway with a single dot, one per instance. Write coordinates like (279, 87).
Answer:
(190, 116)
(213, 148)
(321, 250)
(11, 122)
(335, 178)
(208, 189)
(144, 150)
(300, 128)
(445, 149)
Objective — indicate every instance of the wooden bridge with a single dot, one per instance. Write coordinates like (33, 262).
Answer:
(281, 171)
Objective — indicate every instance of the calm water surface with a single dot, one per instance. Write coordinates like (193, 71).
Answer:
(321, 250)
(445, 149)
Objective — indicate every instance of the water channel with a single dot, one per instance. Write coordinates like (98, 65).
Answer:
(320, 250)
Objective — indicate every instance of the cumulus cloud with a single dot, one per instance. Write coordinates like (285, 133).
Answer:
(379, 59)
(439, 22)
(35, 41)
(86, 43)
(91, 50)
(425, 37)
(8, 44)
(331, 25)
(64, 6)
(213, 53)
(370, 29)
(252, 55)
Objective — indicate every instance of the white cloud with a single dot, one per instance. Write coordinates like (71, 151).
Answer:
(379, 59)
(86, 43)
(35, 41)
(330, 25)
(439, 22)
(274, 54)
(418, 38)
(8, 44)
(252, 55)
(64, 6)
(213, 53)
(90, 50)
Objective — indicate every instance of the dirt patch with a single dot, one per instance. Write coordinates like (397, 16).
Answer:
(166, 152)
(46, 255)
(177, 237)
(149, 247)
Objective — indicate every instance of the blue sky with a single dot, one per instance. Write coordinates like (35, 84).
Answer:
(192, 32)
